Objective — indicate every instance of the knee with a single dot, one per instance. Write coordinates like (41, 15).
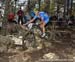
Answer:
(41, 25)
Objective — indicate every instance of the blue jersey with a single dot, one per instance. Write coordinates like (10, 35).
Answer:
(32, 14)
(44, 16)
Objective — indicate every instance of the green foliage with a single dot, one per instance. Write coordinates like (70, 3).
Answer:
(52, 7)
(43, 6)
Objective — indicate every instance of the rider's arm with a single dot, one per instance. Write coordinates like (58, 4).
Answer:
(31, 20)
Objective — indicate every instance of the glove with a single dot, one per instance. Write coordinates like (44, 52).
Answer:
(30, 25)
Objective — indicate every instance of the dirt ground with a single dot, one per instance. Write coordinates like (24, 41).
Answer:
(57, 51)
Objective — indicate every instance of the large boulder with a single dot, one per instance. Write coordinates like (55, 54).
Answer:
(50, 56)
(17, 40)
(5, 43)
(20, 58)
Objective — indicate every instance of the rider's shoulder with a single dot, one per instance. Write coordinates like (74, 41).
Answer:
(41, 12)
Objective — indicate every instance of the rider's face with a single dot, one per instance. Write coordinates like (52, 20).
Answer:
(37, 13)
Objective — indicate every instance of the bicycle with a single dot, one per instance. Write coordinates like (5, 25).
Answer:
(28, 39)
(30, 35)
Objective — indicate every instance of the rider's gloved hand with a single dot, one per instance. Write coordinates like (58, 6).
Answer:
(30, 25)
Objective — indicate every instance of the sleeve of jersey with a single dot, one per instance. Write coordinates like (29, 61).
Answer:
(35, 17)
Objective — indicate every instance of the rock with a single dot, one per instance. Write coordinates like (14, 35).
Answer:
(0, 24)
(70, 56)
(20, 58)
(48, 44)
(50, 56)
(14, 51)
(20, 37)
(4, 40)
(5, 43)
(31, 49)
(73, 36)
(18, 41)
(73, 51)
(74, 58)
(74, 41)
(39, 39)
(40, 47)
(37, 31)
(3, 49)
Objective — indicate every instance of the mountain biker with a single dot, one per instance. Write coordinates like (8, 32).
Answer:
(44, 18)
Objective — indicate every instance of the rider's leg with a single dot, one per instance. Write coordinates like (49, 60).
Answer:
(42, 25)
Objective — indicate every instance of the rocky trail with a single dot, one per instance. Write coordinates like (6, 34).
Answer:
(62, 50)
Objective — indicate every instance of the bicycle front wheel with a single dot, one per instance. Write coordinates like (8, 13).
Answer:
(28, 40)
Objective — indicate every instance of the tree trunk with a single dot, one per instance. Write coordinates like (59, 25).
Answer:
(7, 8)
